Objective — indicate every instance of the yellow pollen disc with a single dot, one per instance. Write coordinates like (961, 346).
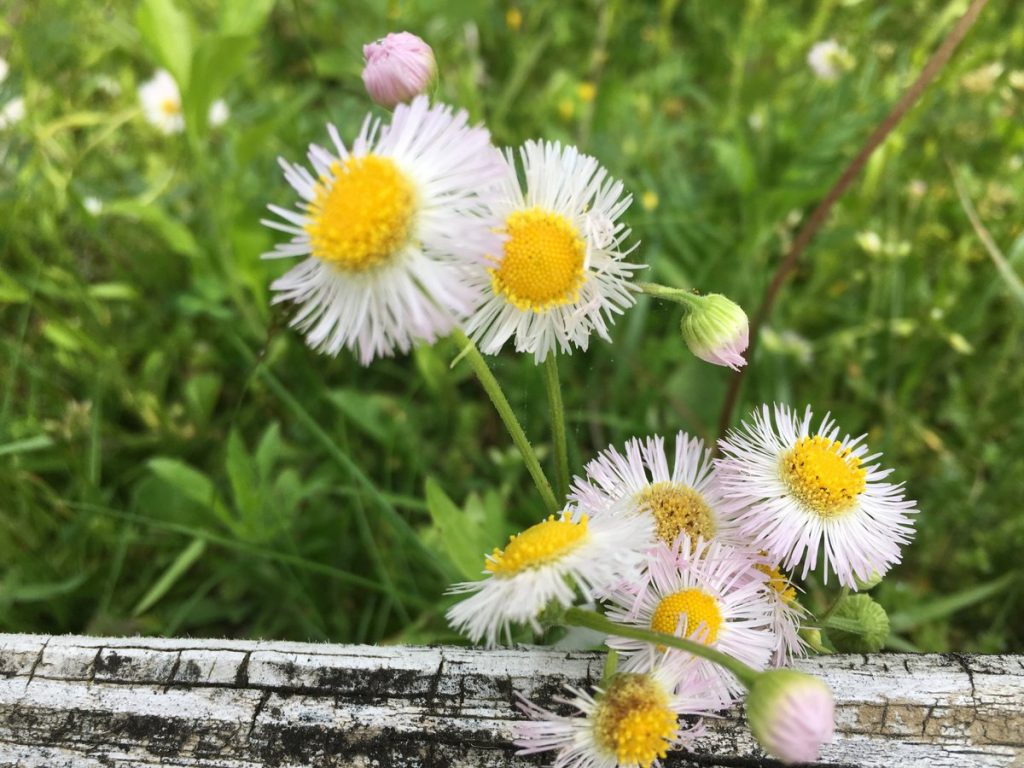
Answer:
(677, 508)
(363, 216)
(696, 606)
(170, 107)
(538, 545)
(823, 476)
(778, 581)
(542, 262)
(633, 720)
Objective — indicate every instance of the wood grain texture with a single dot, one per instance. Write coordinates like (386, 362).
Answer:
(91, 702)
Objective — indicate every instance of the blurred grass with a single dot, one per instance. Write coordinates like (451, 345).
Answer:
(174, 460)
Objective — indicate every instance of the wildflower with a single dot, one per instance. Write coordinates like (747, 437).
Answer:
(12, 112)
(633, 720)
(548, 562)
(93, 205)
(869, 241)
(398, 68)
(708, 593)
(786, 614)
(716, 330)
(828, 59)
(680, 499)
(791, 714)
(219, 113)
(795, 491)
(560, 273)
(161, 103)
(383, 229)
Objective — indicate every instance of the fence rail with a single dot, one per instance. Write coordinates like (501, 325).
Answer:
(90, 702)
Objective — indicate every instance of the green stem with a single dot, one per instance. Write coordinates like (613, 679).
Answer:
(501, 405)
(554, 388)
(832, 608)
(580, 617)
(611, 663)
(665, 293)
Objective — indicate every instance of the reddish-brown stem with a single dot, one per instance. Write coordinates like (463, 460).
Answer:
(821, 212)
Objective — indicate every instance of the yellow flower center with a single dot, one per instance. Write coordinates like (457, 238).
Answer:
(633, 720)
(362, 215)
(542, 261)
(170, 107)
(778, 581)
(538, 545)
(677, 508)
(695, 607)
(825, 477)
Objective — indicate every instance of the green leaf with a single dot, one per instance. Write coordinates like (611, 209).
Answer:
(40, 592)
(172, 231)
(165, 30)
(456, 536)
(948, 605)
(201, 393)
(244, 17)
(242, 474)
(268, 450)
(193, 485)
(175, 571)
(735, 160)
(37, 443)
(218, 60)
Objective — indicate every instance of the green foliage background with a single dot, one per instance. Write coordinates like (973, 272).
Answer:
(174, 460)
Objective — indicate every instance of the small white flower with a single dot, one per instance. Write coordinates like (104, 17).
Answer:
(681, 498)
(632, 721)
(385, 228)
(161, 103)
(4, 69)
(219, 113)
(798, 492)
(561, 273)
(828, 59)
(549, 562)
(12, 112)
(92, 205)
(709, 593)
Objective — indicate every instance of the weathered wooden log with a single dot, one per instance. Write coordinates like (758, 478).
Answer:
(91, 702)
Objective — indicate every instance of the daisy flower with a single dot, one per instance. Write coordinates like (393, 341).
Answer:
(632, 721)
(548, 562)
(828, 60)
(161, 103)
(12, 113)
(383, 228)
(798, 491)
(710, 593)
(560, 273)
(787, 614)
(682, 498)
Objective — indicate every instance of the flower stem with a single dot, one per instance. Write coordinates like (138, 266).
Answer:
(665, 293)
(835, 604)
(554, 388)
(580, 617)
(501, 405)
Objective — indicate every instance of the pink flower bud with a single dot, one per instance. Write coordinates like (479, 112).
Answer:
(398, 68)
(791, 714)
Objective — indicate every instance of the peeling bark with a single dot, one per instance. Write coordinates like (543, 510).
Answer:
(91, 702)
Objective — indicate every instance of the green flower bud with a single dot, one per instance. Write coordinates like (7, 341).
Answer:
(716, 330)
(870, 617)
(872, 581)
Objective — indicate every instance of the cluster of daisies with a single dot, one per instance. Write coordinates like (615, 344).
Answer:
(678, 543)
(419, 227)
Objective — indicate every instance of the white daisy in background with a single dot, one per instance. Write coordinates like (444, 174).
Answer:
(682, 498)
(828, 59)
(161, 103)
(708, 592)
(219, 113)
(550, 561)
(787, 615)
(385, 228)
(92, 205)
(12, 112)
(632, 721)
(561, 273)
(798, 491)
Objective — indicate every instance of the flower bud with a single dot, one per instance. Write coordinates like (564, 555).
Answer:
(872, 622)
(872, 581)
(716, 330)
(398, 68)
(791, 714)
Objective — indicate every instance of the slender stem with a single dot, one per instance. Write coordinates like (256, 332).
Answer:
(820, 215)
(611, 663)
(493, 389)
(554, 388)
(835, 604)
(580, 617)
(664, 292)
